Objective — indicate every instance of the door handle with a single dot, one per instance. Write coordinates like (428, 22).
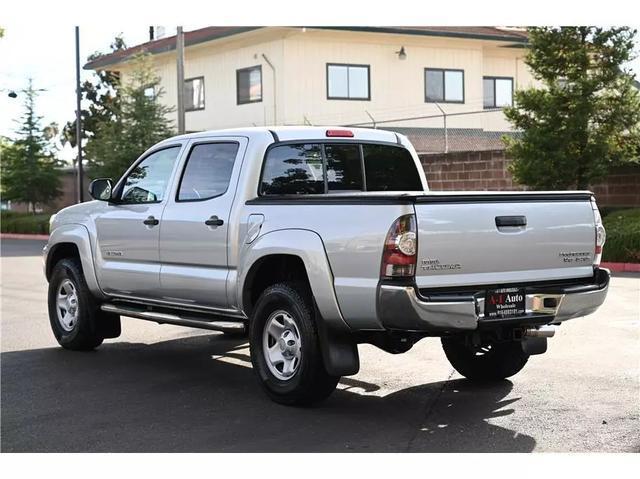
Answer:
(511, 221)
(214, 221)
(151, 221)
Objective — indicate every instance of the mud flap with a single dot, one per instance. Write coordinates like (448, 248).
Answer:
(108, 324)
(532, 346)
(339, 350)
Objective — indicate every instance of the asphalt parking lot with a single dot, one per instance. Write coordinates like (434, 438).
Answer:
(170, 389)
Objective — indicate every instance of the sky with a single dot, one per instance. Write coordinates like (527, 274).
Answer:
(47, 54)
(51, 64)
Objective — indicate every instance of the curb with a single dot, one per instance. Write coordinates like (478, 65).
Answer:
(23, 236)
(622, 267)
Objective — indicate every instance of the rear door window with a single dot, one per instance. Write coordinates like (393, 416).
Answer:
(390, 168)
(208, 171)
(293, 170)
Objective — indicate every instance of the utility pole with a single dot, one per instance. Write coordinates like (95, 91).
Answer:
(180, 68)
(80, 188)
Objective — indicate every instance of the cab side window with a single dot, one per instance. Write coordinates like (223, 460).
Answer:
(148, 181)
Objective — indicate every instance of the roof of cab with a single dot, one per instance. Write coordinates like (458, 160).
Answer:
(292, 133)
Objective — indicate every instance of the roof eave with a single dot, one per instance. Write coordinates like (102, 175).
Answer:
(409, 31)
(105, 61)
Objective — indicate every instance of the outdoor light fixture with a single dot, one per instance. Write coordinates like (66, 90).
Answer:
(402, 55)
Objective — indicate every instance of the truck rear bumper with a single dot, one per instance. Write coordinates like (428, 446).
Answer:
(402, 307)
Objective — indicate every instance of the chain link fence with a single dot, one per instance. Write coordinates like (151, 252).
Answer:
(439, 131)
(451, 132)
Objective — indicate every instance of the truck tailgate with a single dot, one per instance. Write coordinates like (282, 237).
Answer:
(484, 238)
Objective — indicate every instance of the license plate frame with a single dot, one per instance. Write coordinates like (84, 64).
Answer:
(504, 303)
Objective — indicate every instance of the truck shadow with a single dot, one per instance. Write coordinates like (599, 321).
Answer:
(198, 394)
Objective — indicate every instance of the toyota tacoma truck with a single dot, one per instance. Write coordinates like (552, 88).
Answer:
(313, 240)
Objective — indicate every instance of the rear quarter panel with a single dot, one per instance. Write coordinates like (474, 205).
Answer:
(353, 236)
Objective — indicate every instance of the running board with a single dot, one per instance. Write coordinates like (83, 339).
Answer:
(175, 317)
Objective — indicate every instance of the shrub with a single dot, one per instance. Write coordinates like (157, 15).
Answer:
(623, 236)
(13, 222)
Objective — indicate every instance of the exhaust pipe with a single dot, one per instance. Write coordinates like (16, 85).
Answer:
(543, 332)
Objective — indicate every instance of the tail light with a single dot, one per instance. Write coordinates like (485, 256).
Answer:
(600, 234)
(400, 249)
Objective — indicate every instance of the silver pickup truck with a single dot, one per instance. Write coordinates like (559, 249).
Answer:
(313, 240)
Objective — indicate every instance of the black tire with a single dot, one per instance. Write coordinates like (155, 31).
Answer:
(492, 362)
(92, 325)
(310, 382)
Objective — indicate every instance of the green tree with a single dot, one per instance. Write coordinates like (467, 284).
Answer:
(139, 120)
(99, 100)
(30, 170)
(584, 118)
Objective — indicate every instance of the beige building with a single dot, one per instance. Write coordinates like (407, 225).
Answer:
(403, 78)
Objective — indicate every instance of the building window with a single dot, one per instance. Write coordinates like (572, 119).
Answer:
(444, 86)
(348, 82)
(194, 94)
(497, 92)
(249, 84)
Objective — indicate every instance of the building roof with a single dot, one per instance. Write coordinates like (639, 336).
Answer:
(167, 44)
(475, 33)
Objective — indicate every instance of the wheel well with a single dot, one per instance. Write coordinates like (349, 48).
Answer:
(58, 252)
(270, 270)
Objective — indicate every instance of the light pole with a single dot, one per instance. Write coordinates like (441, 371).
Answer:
(180, 71)
(78, 118)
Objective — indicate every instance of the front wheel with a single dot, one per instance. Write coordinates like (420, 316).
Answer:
(285, 347)
(484, 362)
(76, 319)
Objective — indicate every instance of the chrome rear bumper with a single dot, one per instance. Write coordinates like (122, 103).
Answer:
(400, 307)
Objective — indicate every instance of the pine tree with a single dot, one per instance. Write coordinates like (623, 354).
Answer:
(139, 121)
(585, 116)
(30, 170)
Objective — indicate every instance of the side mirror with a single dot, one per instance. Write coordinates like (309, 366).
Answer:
(100, 189)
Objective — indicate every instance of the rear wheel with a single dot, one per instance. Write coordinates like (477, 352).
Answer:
(486, 361)
(75, 316)
(285, 348)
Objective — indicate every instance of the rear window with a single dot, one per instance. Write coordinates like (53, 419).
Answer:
(293, 170)
(344, 167)
(302, 169)
(390, 169)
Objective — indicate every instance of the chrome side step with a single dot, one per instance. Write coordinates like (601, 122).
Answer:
(175, 317)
